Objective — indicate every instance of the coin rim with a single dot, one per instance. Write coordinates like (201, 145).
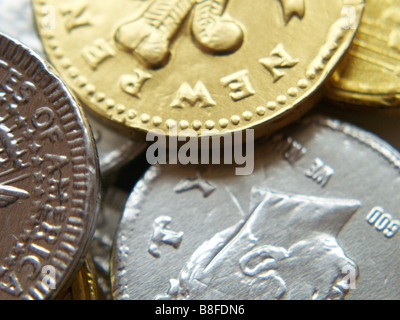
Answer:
(59, 97)
(295, 107)
(119, 283)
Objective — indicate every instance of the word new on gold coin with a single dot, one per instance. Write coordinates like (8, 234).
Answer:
(203, 65)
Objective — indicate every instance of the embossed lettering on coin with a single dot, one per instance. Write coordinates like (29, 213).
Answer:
(208, 64)
(16, 20)
(305, 225)
(48, 177)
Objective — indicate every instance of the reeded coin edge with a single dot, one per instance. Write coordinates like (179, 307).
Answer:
(78, 230)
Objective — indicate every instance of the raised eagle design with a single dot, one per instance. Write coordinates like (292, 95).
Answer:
(10, 195)
(9, 146)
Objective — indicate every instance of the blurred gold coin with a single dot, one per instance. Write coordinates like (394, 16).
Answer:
(197, 64)
(84, 285)
(369, 75)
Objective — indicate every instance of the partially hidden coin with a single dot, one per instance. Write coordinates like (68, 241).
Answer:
(114, 149)
(369, 73)
(113, 203)
(318, 219)
(202, 65)
(49, 178)
(84, 285)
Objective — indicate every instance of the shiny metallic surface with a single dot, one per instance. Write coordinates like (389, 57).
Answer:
(318, 219)
(113, 203)
(383, 123)
(200, 65)
(368, 74)
(84, 285)
(49, 188)
(114, 149)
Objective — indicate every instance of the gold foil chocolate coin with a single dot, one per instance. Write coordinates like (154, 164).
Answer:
(200, 65)
(369, 75)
